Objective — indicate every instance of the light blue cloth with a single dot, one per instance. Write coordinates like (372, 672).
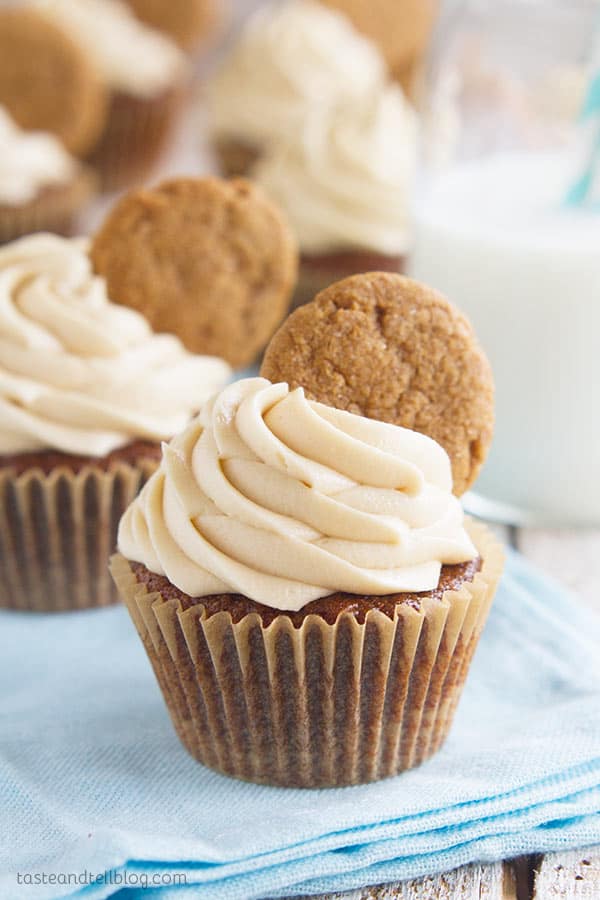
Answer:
(93, 778)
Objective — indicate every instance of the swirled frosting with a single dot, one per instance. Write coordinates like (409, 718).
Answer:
(348, 184)
(129, 55)
(284, 500)
(78, 373)
(29, 161)
(293, 61)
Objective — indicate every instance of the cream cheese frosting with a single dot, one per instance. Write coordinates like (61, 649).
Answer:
(286, 500)
(294, 60)
(129, 55)
(29, 162)
(78, 373)
(347, 183)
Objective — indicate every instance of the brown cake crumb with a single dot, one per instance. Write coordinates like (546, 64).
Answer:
(48, 460)
(328, 608)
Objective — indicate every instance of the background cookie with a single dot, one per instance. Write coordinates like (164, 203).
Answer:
(400, 28)
(187, 22)
(387, 347)
(210, 260)
(46, 81)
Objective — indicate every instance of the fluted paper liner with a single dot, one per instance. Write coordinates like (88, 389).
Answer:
(319, 705)
(135, 136)
(57, 532)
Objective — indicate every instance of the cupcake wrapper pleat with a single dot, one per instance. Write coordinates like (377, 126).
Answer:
(319, 705)
(135, 136)
(57, 533)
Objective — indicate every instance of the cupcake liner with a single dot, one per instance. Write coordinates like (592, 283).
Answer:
(55, 209)
(136, 134)
(317, 272)
(235, 158)
(57, 532)
(320, 705)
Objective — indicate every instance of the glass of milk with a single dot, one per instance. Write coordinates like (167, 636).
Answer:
(493, 233)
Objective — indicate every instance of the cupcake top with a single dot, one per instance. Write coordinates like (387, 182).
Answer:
(285, 500)
(129, 55)
(292, 60)
(346, 183)
(78, 373)
(29, 162)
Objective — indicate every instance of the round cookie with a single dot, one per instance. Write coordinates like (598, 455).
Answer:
(390, 348)
(400, 28)
(46, 81)
(187, 22)
(209, 260)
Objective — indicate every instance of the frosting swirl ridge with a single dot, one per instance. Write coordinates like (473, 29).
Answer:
(81, 374)
(346, 183)
(286, 500)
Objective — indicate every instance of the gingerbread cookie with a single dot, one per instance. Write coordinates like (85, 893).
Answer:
(384, 346)
(47, 82)
(187, 22)
(209, 260)
(400, 28)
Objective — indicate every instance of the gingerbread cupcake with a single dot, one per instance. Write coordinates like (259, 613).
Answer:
(145, 74)
(87, 394)
(42, 187)
(304, 582)
(292, 63)
(209, 260)
(346, 185)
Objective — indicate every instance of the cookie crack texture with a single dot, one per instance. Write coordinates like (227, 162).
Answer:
(384, 346)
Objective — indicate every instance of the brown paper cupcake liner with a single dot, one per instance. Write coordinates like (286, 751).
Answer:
(318, 272)
(319, 705)
(57, 532)
(55, 209)
(135, 137)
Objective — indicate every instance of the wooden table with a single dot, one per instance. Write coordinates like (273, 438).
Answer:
(573, 558)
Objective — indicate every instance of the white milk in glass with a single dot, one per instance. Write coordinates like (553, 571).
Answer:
(492, 236)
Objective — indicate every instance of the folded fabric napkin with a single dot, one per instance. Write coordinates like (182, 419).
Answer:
(94, 782)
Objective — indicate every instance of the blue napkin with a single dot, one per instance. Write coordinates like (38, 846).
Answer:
(94, 782)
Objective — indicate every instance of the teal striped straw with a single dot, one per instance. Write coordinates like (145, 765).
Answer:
(586, 189)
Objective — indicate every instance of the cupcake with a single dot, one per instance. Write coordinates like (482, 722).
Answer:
(345, 185)
(189, 23)
(292, 63)
(42, 188)
(306, 587)
(87, 394)
(145, 74)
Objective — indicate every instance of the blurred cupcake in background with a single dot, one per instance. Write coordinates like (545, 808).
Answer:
(42, 187)
(189, 23)
(345, 187)
(88, 392)
(399, 28)
(146, 74)
(293, 62)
